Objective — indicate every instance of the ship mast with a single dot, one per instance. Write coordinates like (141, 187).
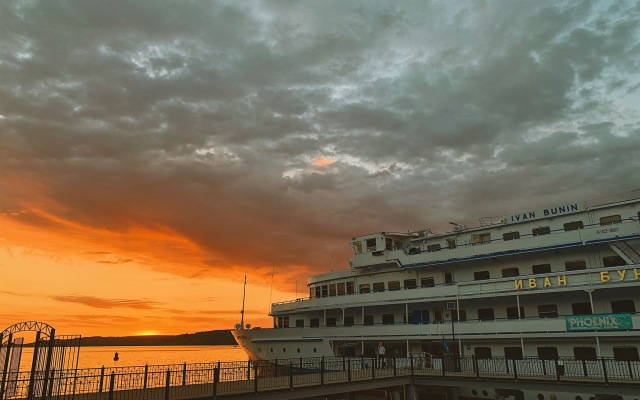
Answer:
(244, 292)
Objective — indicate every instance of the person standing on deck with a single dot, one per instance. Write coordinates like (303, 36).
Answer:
(381, 355)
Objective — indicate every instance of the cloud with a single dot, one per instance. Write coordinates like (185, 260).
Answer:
(213, 136)
(97, 302)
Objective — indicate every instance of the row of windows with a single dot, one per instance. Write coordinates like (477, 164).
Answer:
(342, 288)
(626, 353)
(483, 314)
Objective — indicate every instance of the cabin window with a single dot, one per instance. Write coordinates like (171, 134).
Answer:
(314, 322)
(573, 226)
(410, 284)
(481, 275)
(318, 291)
(283, 322)
(357, 247)
(340, 287)
(542, 230)
(348, 321)
(433, 247)
(378, 287)
(388, 319)
(513, 353)
(332, 289)
(393, 285)
(486, 314)
(626, 353)
(371, 244)
(509, 272)
(368, 320)
(480, 238)
(365, 288)
(482, 353)
(325, 291)
(581, 308)
(541, 268)
(459, 315)
(512, 312)
(548, 353)
(585, 353)
(511, 235)
(448, 278)
(349, 287)
(575, 265)
(623, 306)
(427, 282)
(610, 219)
(548, 311)
(437, 316)
(425, 316)
(613, 261)
(388, 242)
(452, 243)
(331, 321)
(299, 323)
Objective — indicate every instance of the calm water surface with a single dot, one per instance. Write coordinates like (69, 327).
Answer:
(97, 356)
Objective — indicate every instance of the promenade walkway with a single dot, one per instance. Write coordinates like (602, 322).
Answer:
(300, 378)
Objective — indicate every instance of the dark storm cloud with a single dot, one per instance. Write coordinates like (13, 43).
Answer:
(209, 119)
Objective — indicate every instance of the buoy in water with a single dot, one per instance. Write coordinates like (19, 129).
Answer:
(115, 357)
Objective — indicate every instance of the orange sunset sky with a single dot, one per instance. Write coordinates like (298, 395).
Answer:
(152, 153)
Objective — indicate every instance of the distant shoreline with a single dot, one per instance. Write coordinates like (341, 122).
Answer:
(207, 338)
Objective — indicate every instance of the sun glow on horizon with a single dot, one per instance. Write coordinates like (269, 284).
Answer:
(148, 333)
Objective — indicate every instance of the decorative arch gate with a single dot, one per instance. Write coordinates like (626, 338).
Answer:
(51, 356)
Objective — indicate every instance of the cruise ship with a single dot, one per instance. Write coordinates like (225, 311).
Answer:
(562, 281)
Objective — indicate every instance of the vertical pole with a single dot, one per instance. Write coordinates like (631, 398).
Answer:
(112, 384)
(6, 363)
(216, 379)
(373, 369)
(168, 385)
(34, 364)
(604, 370)
(101, 379)
(301, 365)
(50, 391)
(395, 368)
(184, 374)
(349, 370)
(146, 375)
(515, 369)
(475, 366)
(344, 365)
(255, 378)
(47, 367)
(248, 369)
(276, 366)
(411, 361)
(322, 371)
(291, 375)
(555, 360)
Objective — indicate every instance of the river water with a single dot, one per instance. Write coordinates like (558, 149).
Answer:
(98, 356)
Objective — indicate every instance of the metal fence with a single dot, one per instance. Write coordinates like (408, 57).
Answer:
(164, 382)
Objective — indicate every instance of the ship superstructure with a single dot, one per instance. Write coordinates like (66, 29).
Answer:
(562, 281)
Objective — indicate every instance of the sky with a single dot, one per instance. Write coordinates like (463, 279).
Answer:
(153, 153)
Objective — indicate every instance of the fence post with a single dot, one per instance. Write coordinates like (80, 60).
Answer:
(443, 367)
(506, 362)
(630, 369)
(395, 369)
(349, 370)
(291, 376)
(168, 385)
(604, 370)
(276, 373)
(300, 365)
(216, 379)
(515, 369)
(184, 374)
(411, 361)
(555, 360)
(112, 383)
(101, 379)
(584, 368)
(255, 378)
(53, 377)
(146, 375)
(373, 369)
(322, 371)
(476, 366)
(344, 365)
(249, 369)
